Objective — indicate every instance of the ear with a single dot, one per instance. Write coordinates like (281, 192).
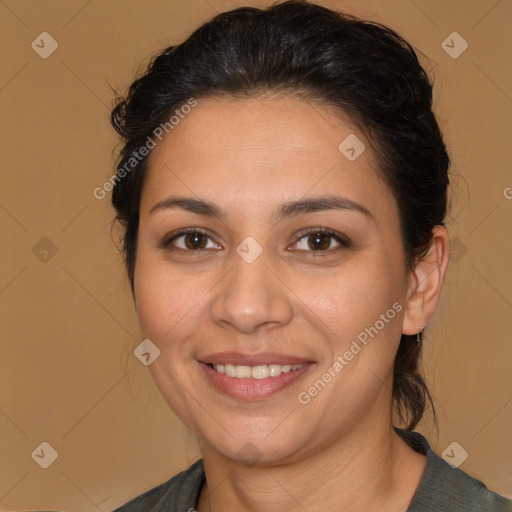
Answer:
(426, 282)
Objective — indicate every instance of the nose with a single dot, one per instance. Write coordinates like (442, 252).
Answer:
(251, 297)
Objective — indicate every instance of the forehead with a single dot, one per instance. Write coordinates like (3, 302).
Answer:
(260, 125)
(263, 149)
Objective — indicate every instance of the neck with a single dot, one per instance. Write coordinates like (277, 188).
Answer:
(372, 468)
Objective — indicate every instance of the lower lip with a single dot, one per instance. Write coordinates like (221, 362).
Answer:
(253, 389)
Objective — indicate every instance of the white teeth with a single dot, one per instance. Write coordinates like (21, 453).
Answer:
(229, 370)
(263, 371)
(260, 372)
(275, 369)
(243, 372)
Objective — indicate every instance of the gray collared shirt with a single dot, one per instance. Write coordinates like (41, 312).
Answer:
(442, 488)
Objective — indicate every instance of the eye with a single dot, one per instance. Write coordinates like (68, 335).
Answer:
(189, 240)
(320, 240)
(314, 240)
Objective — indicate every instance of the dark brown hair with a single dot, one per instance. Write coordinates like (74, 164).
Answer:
(362, 68)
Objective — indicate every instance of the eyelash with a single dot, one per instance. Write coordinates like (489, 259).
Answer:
(338, 237)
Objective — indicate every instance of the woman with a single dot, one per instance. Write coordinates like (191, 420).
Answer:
(283, 186)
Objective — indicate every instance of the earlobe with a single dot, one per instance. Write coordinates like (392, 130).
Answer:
(426, 282)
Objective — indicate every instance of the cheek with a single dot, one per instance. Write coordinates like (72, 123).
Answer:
(167, 301)
(350, 300)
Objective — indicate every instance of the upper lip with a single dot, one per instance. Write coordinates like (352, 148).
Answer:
(237, 358)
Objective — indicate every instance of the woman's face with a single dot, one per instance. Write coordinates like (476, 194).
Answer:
(255, 287)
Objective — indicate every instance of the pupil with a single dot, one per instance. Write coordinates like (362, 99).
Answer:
(320, 241)
(193, 241)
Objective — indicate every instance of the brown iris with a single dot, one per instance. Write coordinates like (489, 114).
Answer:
(320, 241)
(195, 241)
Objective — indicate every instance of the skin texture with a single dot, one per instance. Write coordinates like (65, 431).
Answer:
(248, 156)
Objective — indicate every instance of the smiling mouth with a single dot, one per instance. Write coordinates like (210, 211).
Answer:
(259, 372)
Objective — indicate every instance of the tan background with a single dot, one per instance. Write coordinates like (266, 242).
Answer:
(68, 324)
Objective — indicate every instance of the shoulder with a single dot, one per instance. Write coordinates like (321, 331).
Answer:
(444, 488)
(180, 493)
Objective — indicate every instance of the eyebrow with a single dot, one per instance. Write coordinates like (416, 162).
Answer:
(289, 209)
